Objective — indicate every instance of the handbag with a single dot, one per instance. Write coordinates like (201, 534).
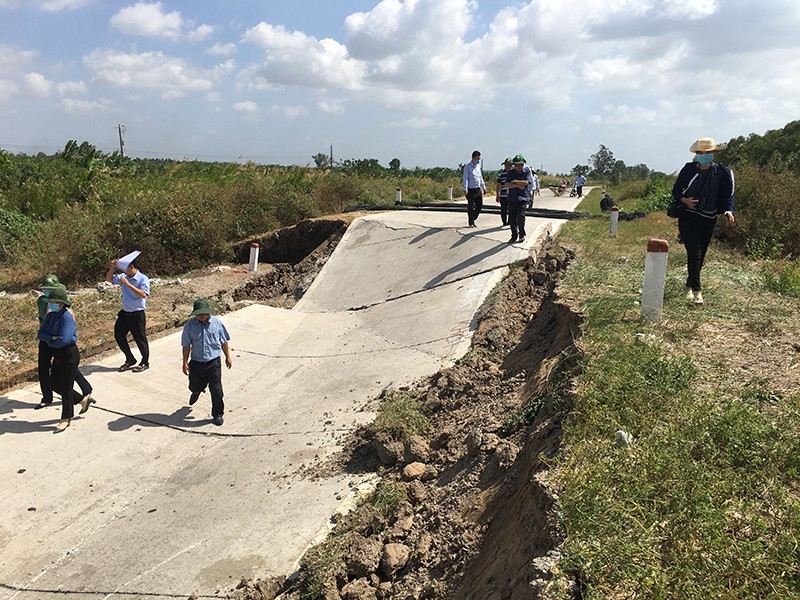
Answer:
(676, 208)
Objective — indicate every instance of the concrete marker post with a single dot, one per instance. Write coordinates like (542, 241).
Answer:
(253, 266)
(398, 197)
(449, 193)
(614, 221)
(655, 277)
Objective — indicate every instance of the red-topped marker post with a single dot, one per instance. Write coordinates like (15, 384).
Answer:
(655, 276)
(253, 266)
(614, 221)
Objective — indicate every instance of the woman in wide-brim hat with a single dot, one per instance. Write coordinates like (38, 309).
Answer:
(706, 189)
(60, 333)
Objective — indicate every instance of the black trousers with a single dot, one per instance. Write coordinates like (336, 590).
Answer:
(202, 374)
(134, 323)
(44, 370)
(516, 218)
(696, 232)
(579, 189)
(504, 210)
(65, 366)
(474, 204)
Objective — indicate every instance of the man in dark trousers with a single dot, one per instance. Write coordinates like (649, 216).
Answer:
(204, 340)
(131, 319)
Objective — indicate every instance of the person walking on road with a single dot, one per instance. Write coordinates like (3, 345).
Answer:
(45, 354)
(132, 318)
(204, 340)
(474, 188)
(519, 181)
(501, 191)
(579, 181)
(706, 189)
(59, 332)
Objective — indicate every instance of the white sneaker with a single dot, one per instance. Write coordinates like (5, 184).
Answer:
(698, 298)
(689, 294)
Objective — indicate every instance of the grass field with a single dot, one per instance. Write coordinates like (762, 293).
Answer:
(704, 502)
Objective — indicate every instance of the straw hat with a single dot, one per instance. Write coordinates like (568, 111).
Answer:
(706, 144)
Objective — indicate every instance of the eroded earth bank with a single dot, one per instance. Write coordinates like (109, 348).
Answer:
(465, 511)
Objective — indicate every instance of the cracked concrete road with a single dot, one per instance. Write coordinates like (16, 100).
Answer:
(144, 497)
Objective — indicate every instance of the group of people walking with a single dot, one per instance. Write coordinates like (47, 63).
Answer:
(515, 188)
(204, 340)
(703, 190)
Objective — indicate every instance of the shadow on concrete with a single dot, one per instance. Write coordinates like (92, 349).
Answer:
(473, 260)
(180, 419)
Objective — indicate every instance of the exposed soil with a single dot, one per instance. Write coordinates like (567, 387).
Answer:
(477, 519)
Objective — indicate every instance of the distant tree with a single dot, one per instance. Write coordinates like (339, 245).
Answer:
(394, 165)
(579, 170)
(322, 161)
(602, 163)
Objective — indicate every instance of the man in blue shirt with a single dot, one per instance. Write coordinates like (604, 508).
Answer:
(579, 181)
(131, 319)
(474, 187)
(204, 340)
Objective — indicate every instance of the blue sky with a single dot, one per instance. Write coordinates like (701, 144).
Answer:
(424, 81)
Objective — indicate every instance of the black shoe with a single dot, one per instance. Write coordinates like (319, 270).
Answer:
(218, 420)
(193, 398)
(140, 367)
(512, 241)
(522, 239)
(42, 404)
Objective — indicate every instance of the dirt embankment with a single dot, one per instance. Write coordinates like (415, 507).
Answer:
(477, 520)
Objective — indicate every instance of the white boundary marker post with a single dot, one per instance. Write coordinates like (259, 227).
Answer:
(253, 266)
(449, 193)
(655, 276)
(614, 221)
(398, 197)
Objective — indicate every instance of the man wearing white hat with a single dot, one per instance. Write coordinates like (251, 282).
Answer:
(131, 319)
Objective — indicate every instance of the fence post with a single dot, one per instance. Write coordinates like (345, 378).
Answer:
(398, 197)
(449, 193)
(614, 221)
(655, 276)
(253, 266)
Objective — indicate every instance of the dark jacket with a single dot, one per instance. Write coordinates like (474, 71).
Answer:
(713, 187)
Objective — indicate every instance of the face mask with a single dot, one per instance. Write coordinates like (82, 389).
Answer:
(53, 306)
(475, 161)
(704, 159)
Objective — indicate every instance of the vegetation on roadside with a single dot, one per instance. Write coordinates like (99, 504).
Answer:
(77, 210)
(704, 502)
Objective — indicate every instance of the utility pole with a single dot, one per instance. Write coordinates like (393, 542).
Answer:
(120, 129)
(331, 156)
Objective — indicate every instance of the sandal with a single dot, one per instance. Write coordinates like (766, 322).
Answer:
(140, 368)
(124, 367)
(42, 404)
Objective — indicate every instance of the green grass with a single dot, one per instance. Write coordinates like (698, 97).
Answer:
(704, 503)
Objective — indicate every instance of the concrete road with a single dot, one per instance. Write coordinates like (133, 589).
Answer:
(144, 497)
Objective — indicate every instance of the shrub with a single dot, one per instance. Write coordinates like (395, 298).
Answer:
(14, 227)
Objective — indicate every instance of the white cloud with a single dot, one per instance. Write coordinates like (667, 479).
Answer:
(148, 19)
(155, 71)
(222, 49)
(59, 5)
(246, 107)
(200, 34)
(85, 107)
(413, 123)
(37, 85)
(13, 60)
(290, 112)
(331, 106)
(294, 58)
(71, 87)
(8, 89)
